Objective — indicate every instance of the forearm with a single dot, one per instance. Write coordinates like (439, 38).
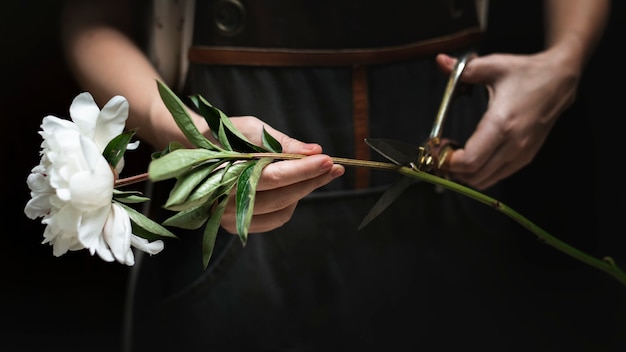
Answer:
(574, 28)
(106, 62)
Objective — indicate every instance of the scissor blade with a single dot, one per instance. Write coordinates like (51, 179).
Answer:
(390, 195)
(399, 153)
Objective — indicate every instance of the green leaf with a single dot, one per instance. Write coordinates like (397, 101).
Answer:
(179, 112)
(223, 129)
(144, 227)
(180, 161)
(188, 181)
(232, 171)
(219, 182)
(191, 218)
(246, 192)
(199, 196)
(115, 149)
(223, 137)
(239, 143)
(271, 143)
(211, 114)
(129, 196)
(210, 231)
(170, 148)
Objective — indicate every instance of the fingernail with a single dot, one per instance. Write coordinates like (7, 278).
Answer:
(337, 171)
(326, 166)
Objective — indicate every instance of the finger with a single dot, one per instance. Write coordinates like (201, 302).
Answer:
(479, 148)
(283, 173)
(262, 222)
(493, 171)
(277, 199)
(503, 172)
(478, 70)
(505, 161)
(272, 208)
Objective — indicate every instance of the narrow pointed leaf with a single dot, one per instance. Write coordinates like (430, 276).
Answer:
(144, 227)
(221, 180)
(229, 181)
(210, 231)
(211, 114)
(271, 143)
(115, 149)
(170, 148)
(179, 112)
(187, 182)
(222, 136)
(129, 197)
(190, 219)
(239, 143)
(246, 192)
(235, 139)
(199, 196)
(180, 161)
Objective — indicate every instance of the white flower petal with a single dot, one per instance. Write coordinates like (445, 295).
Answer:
(141, 243)
(51, 124)
(60, 241)
(37, 206)
(38, 183)
(66, 220)
(117, 233)
(132, 146)
(91, 227)
(92, 188)
(111, 121)
(61, 245)
(84, 112)
(104, 251)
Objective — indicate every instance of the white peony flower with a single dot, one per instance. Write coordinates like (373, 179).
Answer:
(72, 187)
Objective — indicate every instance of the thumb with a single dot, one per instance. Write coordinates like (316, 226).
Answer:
(478, 70)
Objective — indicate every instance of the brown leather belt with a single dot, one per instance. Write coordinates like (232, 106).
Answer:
(276, 57)
(357, 59)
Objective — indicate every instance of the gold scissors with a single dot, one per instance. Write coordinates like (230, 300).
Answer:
(435, 151)
(430, 157)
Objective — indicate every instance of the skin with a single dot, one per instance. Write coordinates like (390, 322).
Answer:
(527, 94)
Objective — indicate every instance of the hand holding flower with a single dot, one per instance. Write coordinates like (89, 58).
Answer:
(283, 183)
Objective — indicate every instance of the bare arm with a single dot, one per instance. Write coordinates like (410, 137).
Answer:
(574, 27)
(106, 62)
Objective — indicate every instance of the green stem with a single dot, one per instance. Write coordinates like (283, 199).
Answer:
(606, 264)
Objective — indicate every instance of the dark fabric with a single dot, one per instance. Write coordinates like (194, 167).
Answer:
(329, 24)
(435, 271)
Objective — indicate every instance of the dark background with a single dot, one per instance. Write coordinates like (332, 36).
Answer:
(75, 302)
